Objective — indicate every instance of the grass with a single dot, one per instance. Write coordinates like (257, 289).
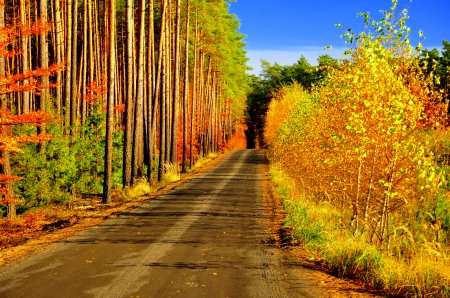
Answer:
(171, 174)
(203, 160)
(140, 188)
(319, 228)
(143, 187)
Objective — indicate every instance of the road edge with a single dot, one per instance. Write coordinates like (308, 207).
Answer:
(13, 256)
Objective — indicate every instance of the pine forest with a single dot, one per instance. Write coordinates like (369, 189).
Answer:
(99, 95)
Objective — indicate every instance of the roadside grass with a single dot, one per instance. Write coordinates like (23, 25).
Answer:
(171, 174)
(140, 188)
(320, 229)
(203, 160)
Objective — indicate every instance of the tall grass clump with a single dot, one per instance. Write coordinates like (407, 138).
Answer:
(367, 154)
(171, 173)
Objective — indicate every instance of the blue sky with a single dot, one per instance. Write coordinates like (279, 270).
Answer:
(283, 30)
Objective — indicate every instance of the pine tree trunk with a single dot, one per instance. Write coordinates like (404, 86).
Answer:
(85, 63)
(168, 87)
(176, 90)
(162, 76)
(107, 184)
(68, 72)
(43, 63)
(138, 139)
(159, 90)
(5, 166)
(186, 91)
(129, 102)
(73, 99)
(151, 81)
(194, 93)
(24, 43)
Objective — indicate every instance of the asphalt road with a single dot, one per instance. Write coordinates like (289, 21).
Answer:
(205, 238)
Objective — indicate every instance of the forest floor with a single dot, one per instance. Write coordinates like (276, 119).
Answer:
(55, 224)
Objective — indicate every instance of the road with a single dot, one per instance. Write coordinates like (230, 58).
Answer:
(205, 238)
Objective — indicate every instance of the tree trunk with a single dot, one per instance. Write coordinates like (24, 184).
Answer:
(5, 166)
(107, 182)
(162, 76)
(67, 86)
(43, 63)
(129, 102)
(138, 140)
(186, 91)
(85, 63)
(74, 92)
(176, 90)
(194, 93)
(24, 43)
(151, 81)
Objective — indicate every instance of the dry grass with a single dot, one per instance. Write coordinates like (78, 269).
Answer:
(204, 160)
(140, 188)
(319, 228)
(171, 174)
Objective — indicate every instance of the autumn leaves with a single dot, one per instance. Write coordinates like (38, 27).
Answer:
(366, 142)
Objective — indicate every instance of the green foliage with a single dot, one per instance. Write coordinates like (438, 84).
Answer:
(437, 63)
(275, 77)
(69, 166)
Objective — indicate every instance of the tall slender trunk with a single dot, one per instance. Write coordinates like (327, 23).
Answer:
(43, 63)
(138, 138)
(107, 181)
(161, 89)
(73, 99)
(176, 89)
(85, 63)
(129, 102)
(168, 86)
(194, 92)
(186, 91)
(5, 165)
(68, 83)
(24, 43)
(151, 81)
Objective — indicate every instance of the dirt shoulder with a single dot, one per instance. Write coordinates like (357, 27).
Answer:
(61, 222)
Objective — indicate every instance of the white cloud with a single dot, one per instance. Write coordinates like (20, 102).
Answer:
(288, 57)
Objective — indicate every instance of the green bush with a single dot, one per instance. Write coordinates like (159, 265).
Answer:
(70, 164)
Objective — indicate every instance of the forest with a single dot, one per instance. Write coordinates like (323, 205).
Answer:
(99, 95)
(368, 135)
(110, 98)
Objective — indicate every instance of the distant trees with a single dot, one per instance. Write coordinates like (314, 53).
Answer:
(169, 80)
(274, 77)
(439, 64)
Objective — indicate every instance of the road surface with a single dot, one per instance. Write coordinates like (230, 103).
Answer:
(205, 238)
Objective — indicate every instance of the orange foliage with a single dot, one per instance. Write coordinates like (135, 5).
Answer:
(356, 142)
(20, 82)
(238, 140)
(15, 231)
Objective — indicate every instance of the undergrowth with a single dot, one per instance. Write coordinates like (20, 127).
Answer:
(320, 229)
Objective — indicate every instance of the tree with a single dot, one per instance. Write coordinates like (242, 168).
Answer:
(107, 180)
(35, 81)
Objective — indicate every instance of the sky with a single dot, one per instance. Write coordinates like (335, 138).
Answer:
(283, 30)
